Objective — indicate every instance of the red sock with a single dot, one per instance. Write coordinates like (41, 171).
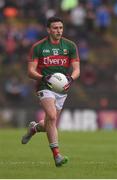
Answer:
(55, 151)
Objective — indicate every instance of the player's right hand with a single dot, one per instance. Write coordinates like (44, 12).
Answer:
(70, 80)
(45, 79)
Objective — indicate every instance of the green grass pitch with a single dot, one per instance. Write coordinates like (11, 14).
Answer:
(92, 155)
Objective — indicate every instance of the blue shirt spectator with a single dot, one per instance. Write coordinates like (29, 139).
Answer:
(103, 18)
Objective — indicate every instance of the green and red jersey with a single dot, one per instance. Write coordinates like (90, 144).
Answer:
(53, 58)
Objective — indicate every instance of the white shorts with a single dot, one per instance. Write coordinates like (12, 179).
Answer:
(59, 98)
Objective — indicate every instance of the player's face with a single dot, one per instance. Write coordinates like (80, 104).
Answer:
(55, 30)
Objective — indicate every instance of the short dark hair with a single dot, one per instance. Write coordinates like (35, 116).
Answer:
(53, 19)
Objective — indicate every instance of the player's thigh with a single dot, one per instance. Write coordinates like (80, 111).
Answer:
(58, 117)
(58, 113)
(49, 107)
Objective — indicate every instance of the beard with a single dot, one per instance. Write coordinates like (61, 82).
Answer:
(57, 36)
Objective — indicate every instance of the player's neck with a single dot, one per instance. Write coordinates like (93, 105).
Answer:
(54, 41)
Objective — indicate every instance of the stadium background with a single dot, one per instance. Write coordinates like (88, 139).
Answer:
(92, 24)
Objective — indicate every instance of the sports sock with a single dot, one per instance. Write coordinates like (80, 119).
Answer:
(55, 149)
(37, 127)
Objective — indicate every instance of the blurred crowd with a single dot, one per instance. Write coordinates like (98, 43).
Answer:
(92, 24)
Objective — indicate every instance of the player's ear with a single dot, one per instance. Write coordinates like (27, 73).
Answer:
(48, 30)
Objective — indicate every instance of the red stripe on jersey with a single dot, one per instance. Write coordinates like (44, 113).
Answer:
(57, 60)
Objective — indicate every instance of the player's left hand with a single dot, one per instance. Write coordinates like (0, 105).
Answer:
(45, 79)
(70, 80)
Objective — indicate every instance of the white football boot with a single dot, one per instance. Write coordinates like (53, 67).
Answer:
(30, 132)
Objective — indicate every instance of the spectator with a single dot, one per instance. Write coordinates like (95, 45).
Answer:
(83, 51)
(77, 17)
(13, 89)
(90, 18)
(103, 19)
(89, 76)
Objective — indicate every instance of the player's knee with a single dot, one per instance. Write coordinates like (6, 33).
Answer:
(53, 117)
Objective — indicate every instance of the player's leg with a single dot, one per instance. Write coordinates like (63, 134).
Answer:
(40, 127)
(59, 159)
(48, 105)
(50, 125)
(33, 128)
(60, 99)
(52, 110)
(37, 127)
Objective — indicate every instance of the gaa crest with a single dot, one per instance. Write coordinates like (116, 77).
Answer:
(55, 51)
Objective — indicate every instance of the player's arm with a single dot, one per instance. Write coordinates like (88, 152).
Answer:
(75, 64)
(75, 74)
(32, 63)
(75, 70)
(32, 67)
(32, 72)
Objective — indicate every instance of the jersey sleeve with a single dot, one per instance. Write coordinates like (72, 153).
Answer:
(33, 54)
(74, 55)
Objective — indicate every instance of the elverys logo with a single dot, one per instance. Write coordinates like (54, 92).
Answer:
(54, 61)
